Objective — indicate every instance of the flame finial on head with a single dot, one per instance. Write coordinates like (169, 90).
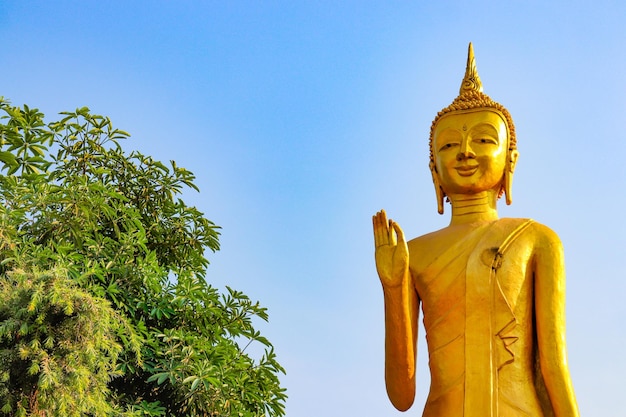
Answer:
(471, 81)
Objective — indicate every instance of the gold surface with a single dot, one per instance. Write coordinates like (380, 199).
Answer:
(492, 290)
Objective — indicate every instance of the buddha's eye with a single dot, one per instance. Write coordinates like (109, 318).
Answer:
(446, 146)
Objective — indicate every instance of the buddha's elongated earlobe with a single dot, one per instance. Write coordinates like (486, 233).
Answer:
(438, 190)
(508, 175)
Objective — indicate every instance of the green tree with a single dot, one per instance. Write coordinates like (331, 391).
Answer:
(49, 366)
(80, 215)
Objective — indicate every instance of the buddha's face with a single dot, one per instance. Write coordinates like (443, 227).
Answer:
(470, 151)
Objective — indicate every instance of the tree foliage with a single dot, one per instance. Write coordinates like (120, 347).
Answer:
(109, 230)
(49, 367)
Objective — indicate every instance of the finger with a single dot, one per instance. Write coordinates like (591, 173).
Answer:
(380, 229)
(376, 227)
(392, 233)
(377, 231)
(382, 216)
(399, 232)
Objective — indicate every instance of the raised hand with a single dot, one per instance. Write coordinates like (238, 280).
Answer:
(392, 253)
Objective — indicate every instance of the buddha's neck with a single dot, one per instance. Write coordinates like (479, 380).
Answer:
(474, 208)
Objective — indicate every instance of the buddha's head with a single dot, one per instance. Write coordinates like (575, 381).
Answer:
(472, 143)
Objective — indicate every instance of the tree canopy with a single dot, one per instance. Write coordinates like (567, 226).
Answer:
(106, 310)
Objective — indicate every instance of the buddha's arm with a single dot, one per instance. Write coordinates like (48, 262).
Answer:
(401, 315)
(549, 270)
(401, 303)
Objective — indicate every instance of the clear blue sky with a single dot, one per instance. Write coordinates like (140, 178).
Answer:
(301, 119)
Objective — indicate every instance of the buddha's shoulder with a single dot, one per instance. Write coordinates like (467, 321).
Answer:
(529, 234)
(437, 241)
(429, 238)
(532, 229)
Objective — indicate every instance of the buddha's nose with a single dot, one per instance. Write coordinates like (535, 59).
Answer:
(465, 151)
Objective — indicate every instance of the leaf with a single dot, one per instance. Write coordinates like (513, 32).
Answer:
(159, 378)
(8, 159)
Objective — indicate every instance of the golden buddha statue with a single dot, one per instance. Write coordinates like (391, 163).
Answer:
(492, 290)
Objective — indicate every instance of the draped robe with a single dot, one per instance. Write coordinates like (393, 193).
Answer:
(477, 300)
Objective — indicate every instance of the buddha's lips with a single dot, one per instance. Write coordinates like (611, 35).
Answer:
(466, 170)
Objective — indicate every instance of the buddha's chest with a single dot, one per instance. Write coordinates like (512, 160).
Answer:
(473, 273)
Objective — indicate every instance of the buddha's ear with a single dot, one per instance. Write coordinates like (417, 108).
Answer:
(438, 190)
(508, 175)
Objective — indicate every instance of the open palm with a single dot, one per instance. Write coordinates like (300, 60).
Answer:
(392, 253)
